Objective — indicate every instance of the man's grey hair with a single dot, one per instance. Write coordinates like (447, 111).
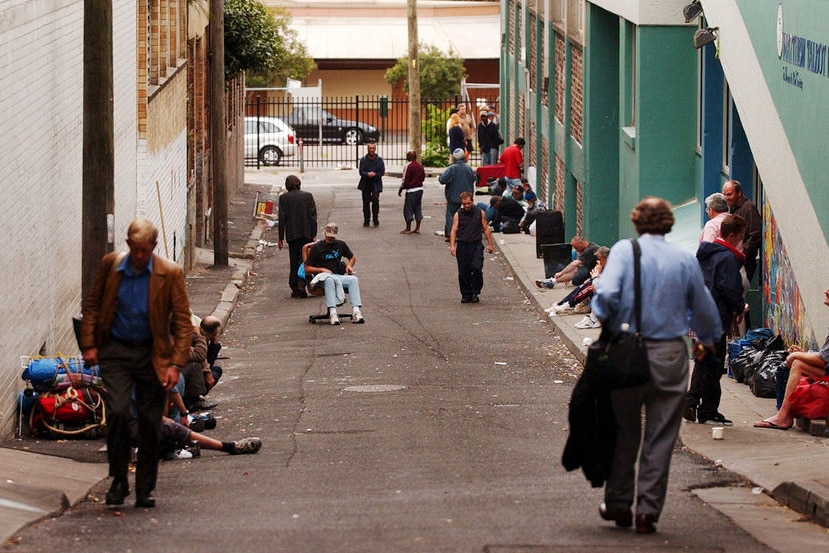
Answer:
(717, 202)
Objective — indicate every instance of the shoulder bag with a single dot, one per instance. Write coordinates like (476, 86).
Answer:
(620, 359)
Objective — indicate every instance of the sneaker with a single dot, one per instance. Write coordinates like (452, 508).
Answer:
(558, 308)
(357, 317)
(545, 284)
(182, 454)
(582, 308)
(716, 418)
(246, 446)
(333, 318)
(587, 322)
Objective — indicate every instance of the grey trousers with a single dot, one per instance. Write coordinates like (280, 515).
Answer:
(655, 407)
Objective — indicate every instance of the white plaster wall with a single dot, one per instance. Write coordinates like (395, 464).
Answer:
(41, 128)
(163, 195)
(647, 12)
(125, 85)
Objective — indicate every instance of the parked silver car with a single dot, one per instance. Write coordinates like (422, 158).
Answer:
(269, 139)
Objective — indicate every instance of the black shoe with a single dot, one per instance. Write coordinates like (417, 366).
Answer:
(376, 223)
(645, 524)
(146, 501)
(466, 300)
(716, 418)
(209, 422)
(365, 223)
(623, 518)
(119, 489)
(476, 299)
(197, 424)
(202, 405)
(690, 414)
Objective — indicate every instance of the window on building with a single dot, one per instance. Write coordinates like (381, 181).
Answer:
(630, 74)
(699, 100)
(575, 20)
(728, 106)
(558, 11)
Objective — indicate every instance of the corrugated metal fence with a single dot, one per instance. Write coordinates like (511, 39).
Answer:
(344, 125)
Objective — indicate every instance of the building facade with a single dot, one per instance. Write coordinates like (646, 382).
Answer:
(41, 129)
(616, 103)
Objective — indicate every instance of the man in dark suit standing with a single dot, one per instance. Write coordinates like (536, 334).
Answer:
(136, 327)
(297, 224)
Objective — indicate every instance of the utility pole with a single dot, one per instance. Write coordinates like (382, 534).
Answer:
(414, 79)
(98, 180)
(218, 133)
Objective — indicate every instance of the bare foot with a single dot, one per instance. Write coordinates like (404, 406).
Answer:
(416, 231)
(405, 231)
(768, 423)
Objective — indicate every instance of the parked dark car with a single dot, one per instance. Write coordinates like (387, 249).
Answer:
(308, 122)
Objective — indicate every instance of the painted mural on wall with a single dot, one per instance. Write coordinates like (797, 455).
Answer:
(785, 312)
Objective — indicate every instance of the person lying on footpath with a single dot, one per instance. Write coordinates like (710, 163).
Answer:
(176, 437)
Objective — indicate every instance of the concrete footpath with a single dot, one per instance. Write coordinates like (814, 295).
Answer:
(792, 466)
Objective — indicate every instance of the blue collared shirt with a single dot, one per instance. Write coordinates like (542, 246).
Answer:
(132, 321)
(674, 296)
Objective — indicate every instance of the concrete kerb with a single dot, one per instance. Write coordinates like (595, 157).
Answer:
(524, 266)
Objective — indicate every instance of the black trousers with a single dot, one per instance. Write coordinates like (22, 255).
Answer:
(371, 205)
(470, 256)
(125, 368)
(705, 391)
(295, 256)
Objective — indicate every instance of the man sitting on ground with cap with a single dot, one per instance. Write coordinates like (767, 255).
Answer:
(330, 265)
(534, 205)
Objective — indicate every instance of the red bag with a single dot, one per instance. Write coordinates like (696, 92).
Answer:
(810, 399)
(69, 406)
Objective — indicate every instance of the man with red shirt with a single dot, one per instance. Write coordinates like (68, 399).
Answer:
(513, 161)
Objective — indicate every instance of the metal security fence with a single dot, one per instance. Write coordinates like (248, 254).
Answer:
(332, 132)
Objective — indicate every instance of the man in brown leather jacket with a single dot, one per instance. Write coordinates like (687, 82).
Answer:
(136, 327)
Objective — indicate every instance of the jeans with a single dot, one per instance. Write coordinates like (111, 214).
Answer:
(514, 183)
(489, 156)
(350, 283)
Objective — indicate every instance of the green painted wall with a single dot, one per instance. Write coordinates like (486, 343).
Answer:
(601, 121)
(658, 154)
(667, 102)
(798, 86)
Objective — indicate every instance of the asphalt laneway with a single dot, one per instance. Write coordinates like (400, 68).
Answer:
(434, 427)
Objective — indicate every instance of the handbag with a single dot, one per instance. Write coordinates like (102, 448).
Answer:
(620, 359)
(810, 399)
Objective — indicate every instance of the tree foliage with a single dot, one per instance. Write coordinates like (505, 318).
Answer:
(440, 74)
(262, 44)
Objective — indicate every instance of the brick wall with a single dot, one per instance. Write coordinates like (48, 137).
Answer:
(577, 94)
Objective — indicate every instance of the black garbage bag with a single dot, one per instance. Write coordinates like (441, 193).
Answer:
(763, 382)
(746, 361)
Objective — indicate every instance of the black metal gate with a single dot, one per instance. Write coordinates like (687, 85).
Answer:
(332, 132)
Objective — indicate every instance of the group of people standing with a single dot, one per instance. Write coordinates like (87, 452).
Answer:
(461, 132)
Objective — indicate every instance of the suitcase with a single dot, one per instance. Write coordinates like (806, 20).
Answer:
(486, 172)
(549, 229)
